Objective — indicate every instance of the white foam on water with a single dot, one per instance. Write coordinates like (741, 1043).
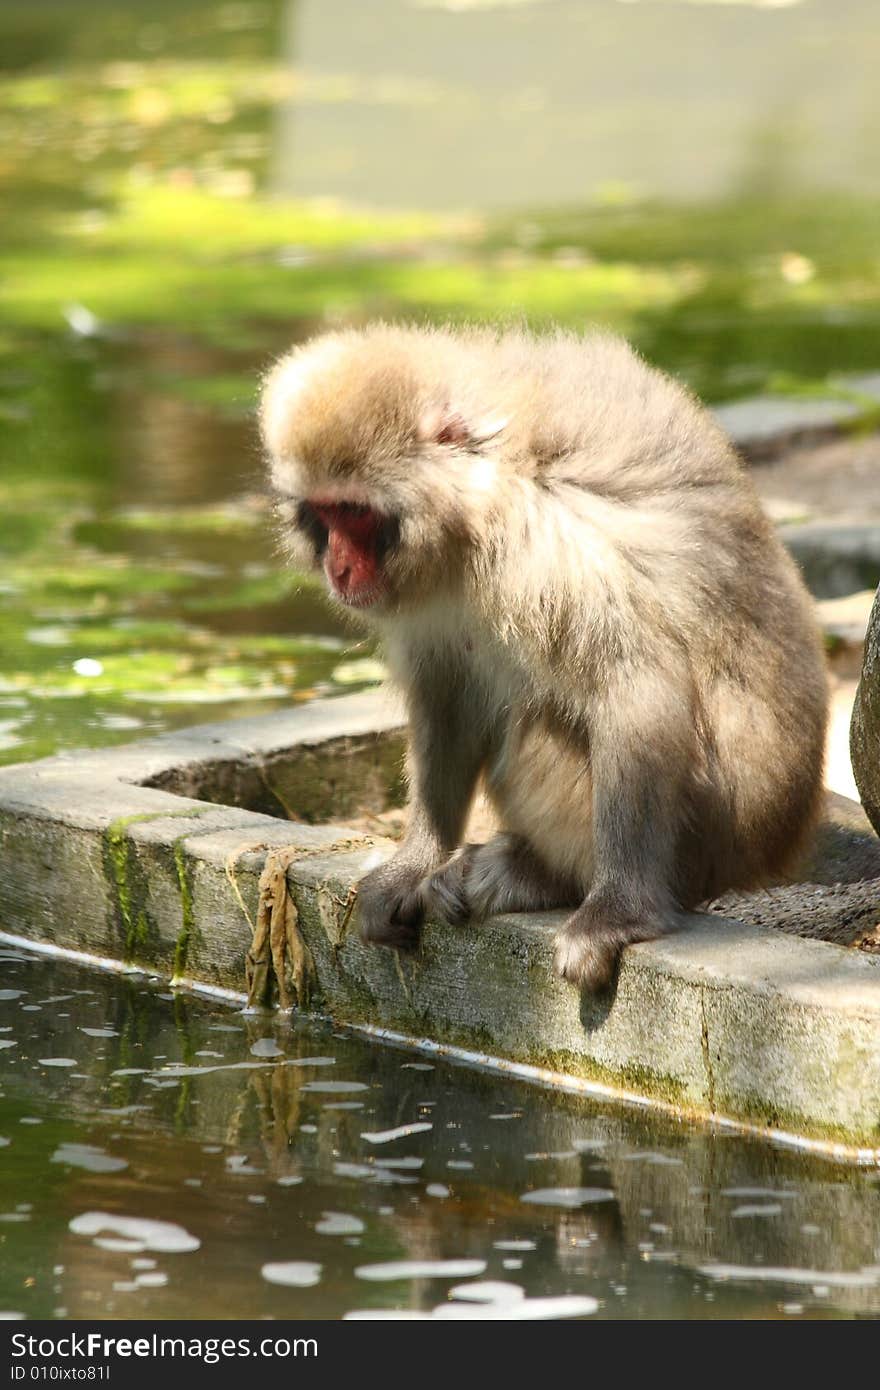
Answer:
(87, 1156)
(567, 1196)
(295, 1274)
(162, 1236)
(385, 1136)
(488, 1291)
(422, 1269)
(868, 1277)
(754, 1209)
(339, 1223)
(757, 1192)
(657, 1160)
(240, 1163)
(334, 1087)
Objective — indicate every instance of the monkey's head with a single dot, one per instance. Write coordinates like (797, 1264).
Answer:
(381, 469)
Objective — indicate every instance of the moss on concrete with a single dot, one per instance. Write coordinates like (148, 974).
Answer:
(750, 1108)
(187, 926)
(130, 885)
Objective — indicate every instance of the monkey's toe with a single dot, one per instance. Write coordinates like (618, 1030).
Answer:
(390, 914)
(402, 936)
(589, 946)
(395, 924)
(447, 892)
(587, 958)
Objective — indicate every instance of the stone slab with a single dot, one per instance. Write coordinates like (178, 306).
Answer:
(726, 1020)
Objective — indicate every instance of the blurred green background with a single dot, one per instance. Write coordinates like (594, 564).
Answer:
(188, 187)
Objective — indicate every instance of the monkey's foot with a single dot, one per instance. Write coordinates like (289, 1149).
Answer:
(589, 945)
(391, 905)
(278, 952)
(447, 889)
(504, 875)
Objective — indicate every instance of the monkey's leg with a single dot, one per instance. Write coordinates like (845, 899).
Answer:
(504, 875)
(642, 741)
(446, 753)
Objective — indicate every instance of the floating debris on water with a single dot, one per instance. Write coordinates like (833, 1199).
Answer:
(567, 1196)
(162, 1236)
(385, 1136)
(421, 1269)
(339, 1223)
(88, 1156)
(296, 1274)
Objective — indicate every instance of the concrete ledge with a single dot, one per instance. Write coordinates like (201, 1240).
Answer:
(761, 427)
(727, 1021)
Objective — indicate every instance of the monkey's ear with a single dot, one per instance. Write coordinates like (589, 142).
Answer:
(443, 425)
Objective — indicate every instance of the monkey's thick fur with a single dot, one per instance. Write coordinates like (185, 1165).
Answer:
(584, 605)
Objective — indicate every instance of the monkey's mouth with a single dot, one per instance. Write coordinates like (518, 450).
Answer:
(355, 541)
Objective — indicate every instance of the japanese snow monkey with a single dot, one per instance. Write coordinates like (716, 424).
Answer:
(585, 607)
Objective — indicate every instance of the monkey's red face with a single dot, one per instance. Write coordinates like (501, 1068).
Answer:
(353, 542)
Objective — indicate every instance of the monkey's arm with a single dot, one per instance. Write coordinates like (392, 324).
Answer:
(642, 742)
(447, 749)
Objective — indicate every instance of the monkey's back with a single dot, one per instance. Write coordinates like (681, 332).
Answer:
(618, 455)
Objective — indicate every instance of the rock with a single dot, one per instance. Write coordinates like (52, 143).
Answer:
(865, 727)
(845, 620)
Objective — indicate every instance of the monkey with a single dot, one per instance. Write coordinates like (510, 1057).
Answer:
(587, 611)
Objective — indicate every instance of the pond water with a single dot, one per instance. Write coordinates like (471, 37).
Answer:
(162, 1156)
(190, 186)
(193, 185)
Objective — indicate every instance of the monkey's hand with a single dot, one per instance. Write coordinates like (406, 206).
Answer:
(391, 903)
(589, 945)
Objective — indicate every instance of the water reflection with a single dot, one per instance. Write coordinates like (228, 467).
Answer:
(698, 176)
(171, 1164)
(141, 585)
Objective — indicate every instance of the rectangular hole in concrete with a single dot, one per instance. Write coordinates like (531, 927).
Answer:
(353, 778)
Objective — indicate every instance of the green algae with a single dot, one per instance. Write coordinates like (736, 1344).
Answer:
(127, 881)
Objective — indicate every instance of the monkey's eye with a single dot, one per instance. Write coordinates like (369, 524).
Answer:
(306, 519)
